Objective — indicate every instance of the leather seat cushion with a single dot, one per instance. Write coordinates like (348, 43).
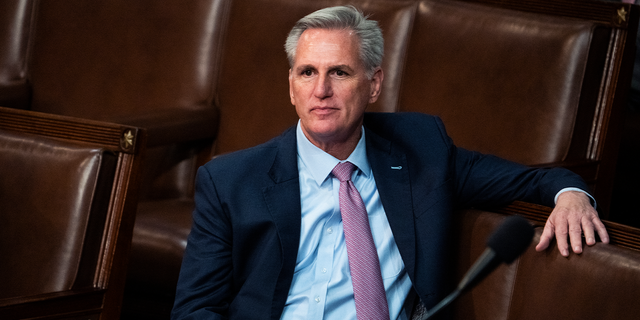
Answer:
(159, 240)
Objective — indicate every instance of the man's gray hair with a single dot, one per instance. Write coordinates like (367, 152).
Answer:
(342, 18)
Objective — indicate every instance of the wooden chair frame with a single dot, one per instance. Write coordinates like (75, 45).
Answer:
(102, 300)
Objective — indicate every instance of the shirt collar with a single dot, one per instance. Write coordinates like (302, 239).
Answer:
(320, 163)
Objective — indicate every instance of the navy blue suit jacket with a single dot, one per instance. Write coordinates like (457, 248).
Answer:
(242, 249)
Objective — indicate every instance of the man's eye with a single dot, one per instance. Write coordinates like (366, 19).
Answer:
(340, 73)
(307, 73)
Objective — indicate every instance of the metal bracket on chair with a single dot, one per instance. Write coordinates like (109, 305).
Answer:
(622, 15)
(127, 140)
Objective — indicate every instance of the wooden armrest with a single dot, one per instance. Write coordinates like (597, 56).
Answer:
(619, 234)
(170, 126)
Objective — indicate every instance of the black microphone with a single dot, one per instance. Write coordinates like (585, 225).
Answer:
(505, 244)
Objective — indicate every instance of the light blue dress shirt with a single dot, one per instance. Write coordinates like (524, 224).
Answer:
(321, 287)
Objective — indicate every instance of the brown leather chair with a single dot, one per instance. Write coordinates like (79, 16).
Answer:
(602, 283)
(192, 72)
(539, 82)
(68, 197)
(150, 64)
(254, 105)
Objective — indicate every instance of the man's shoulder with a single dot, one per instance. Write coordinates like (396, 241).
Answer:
(254, 157)
(399, 119)
(399, 116)
(403, 123)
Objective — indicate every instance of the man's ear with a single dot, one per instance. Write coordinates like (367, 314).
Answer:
(293, 100)
(376, 85)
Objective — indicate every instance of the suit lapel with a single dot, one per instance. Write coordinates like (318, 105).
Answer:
(391, 172)
(283, 200)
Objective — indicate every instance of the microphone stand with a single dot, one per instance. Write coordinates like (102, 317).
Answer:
(483, 266)
(443, 303)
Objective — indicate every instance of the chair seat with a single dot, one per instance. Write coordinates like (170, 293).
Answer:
(159, 239)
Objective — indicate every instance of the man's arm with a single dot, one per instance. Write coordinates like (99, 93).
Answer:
(203, 290)
(572, 216)
(484, 180)
(488, 179)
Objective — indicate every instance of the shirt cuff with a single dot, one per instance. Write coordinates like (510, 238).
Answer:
(593, 201)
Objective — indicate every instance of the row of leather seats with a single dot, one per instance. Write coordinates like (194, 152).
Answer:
(534, 82)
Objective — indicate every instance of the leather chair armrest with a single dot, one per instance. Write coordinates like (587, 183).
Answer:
(168, 126)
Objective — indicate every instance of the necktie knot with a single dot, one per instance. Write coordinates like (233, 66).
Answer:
(343, 171)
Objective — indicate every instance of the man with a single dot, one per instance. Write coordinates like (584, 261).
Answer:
(267, 240)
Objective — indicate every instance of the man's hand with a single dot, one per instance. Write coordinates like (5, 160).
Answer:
(572, 216)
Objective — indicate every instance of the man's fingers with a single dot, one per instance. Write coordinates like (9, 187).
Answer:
(575, 237)
(575, 233)
(601, 229)
(588, 231)
(545, 238)
(573, 217)
(562, 233)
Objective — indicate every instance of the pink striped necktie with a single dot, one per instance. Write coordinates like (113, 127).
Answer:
(368, 288)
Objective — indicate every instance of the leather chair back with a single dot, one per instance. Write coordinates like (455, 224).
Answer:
(602, 283)
(607, 274)
(134, 62)
(149, 64)
(482, 65)
(46, 212)
(68, 196)
(535, 82)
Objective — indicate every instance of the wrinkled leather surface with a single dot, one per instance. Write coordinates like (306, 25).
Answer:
(46, 193)
(474, 65)
(602, 283)
(159, 239)
(133, 62)
(150, 64)
(490, 298)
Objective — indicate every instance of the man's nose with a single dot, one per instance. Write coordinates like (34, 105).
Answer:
(323, 87)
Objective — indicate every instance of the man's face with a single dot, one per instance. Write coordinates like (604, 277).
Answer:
(329, 87)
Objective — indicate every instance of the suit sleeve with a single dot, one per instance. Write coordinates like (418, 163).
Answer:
(204, 285)
(484, 180)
